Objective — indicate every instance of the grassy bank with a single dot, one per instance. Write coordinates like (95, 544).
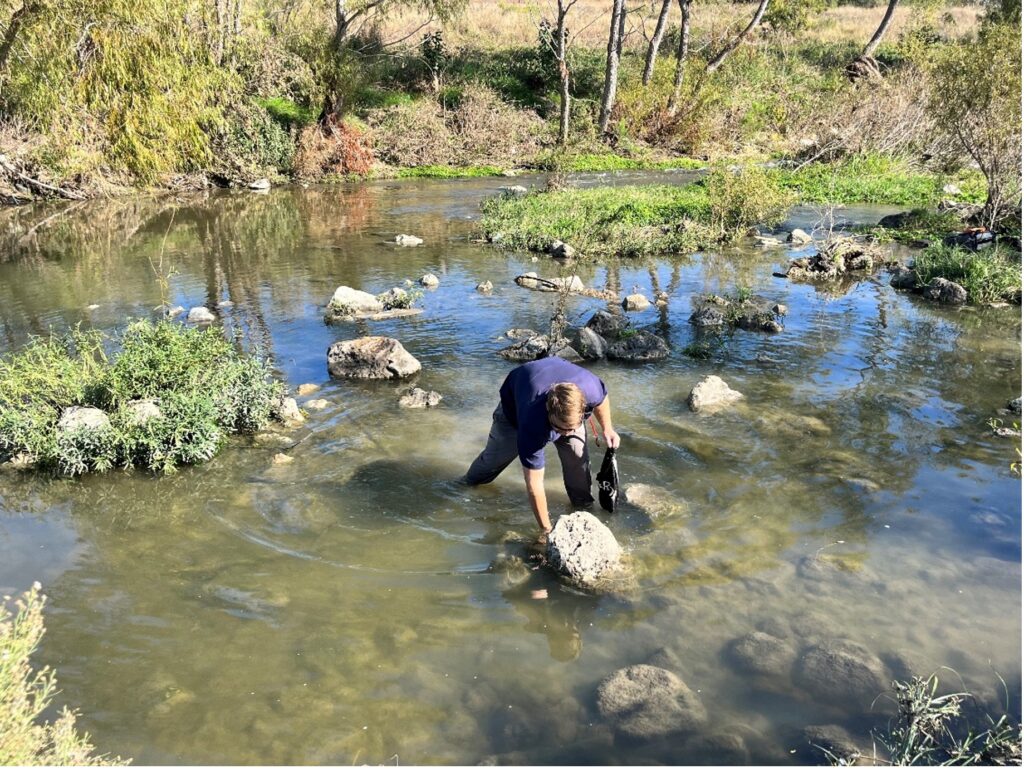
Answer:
(993, 275)
(638, 220)
(169, 396)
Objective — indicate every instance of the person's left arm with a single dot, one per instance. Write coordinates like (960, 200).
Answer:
(603, 412)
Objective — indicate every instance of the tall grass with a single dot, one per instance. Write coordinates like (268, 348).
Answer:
(25, 738)
(993, 275)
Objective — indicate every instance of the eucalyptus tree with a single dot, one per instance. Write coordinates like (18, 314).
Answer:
(655, 42)
(616, 33)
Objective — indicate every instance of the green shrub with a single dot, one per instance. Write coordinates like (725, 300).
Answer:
(204, 387)
(792, 15)
(744, 198)
(993, 275)
(25, 739)
(251, 141)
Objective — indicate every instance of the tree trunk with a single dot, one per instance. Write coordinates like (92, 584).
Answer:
(716, 62)
(341, 23)
(611, 70)
(561, 56)
(13, 28)
(681, 53)
(655, 44)
(869, 49)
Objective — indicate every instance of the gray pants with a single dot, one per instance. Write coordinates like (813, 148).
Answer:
(502, 447)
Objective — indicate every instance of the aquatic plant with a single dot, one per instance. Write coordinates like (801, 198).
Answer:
(25, 739)
(992, 275)
(171, 395)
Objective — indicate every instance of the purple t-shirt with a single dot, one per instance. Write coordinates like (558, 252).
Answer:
(524, 400)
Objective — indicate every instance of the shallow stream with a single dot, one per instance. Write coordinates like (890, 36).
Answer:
(351, 607)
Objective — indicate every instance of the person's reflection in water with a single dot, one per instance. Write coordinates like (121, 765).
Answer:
(554, 610)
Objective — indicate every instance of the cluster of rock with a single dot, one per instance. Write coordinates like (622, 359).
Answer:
(751, 313)
(795, 238)
(835, 259)
(352, 304)
(604, 336)
(937, 290)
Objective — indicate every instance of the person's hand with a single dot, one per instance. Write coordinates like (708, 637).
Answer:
(611, 438)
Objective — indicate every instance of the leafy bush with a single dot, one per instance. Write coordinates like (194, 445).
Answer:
(251, 141)
(744, 198)
(25, 694)
(993, 275)
(204, 388)
(792, 15)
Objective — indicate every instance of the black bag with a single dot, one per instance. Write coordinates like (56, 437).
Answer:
(608, 481)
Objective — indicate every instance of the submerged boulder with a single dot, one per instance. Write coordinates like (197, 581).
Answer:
(657, 503)
(711, 394)
(821, 740)
(761, 654)
(418, 398)
(583, 549)
(798, 237)
(644, 702)
(841, 671)
(371, 357)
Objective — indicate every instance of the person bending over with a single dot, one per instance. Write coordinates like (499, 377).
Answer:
(546, 400)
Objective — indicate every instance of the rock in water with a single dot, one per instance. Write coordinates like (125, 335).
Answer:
(607, 325)
(371, 357)
(485, 288)
(799, 237)
(83, 418)
(418, 398)
(307, 389)
(644, 702)
(639, 347)
(289, 411)
(903, 279)
(583, 548)
(761, 654)
(349, 300)
(201, 315)
(828, 737)
(560, 250)
(589, 344)
(527, 349)
(945, 291)
(1014, 405)
(711, 394)
(635, 303)
(318, 405)
(260, 185)
(841, 671)
(408, 240)
(657, 503)
(430, 280)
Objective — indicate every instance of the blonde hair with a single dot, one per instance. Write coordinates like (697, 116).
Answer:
(566, 404)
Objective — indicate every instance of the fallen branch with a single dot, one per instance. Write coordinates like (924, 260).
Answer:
(36, 184)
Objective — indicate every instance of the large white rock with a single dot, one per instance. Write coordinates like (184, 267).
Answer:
(635, 303)
(583, 548)
(371, 357)
(352, 300)
(408, 240)
(83, 418)
(711, 394)
(430, 280)
(201, 315)
(289, 412)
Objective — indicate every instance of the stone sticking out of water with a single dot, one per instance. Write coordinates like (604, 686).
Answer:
(485, 288)
(290, 413)
(418, 398)
(201, 315)
(307, 389)
(583, 549)
(408, 240)
(348, 300)
(430, 280)
(173, 312)
(371, 357)
(643, 702)
(635, 303)
(712, 394)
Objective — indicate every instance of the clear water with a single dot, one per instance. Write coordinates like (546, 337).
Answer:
(345, 608)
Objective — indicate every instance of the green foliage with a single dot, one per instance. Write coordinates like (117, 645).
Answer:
(876, 179)
(931, 729)
(25, 739)
(627, 221)
(740, 199)
(584, 162)
(977, 101)
(992, 275)
(920, 224)
(448, 172)
(792, 15)
(134, 77)
(204, 387)
(287, 113)
(250, 141)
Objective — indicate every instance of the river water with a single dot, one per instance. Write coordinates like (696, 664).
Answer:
(351, 607)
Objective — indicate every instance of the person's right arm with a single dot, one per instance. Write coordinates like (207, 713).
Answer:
(538, 499)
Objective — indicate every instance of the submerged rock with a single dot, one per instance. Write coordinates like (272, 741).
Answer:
(408, 240)
(430, 280)
(347, 300)
(371, 357)
(819, 741)
(903, 278)
(657, 503)
(282, 459)
(583, 549)
(289, 412)
(485, 288)
(945, 291)
(761, 654)
(307, 389)
(318, 405)
(83, 418)
(643, 702)
(201, 315)
(638, 347)
(841, 671)
(711, 394)
(418, 398)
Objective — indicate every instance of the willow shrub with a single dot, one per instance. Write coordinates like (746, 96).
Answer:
(25, 739)
(205, 389)
(135, 78)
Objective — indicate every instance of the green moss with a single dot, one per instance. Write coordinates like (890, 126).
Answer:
(599, 162)
(447, 172)
(919, 224)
